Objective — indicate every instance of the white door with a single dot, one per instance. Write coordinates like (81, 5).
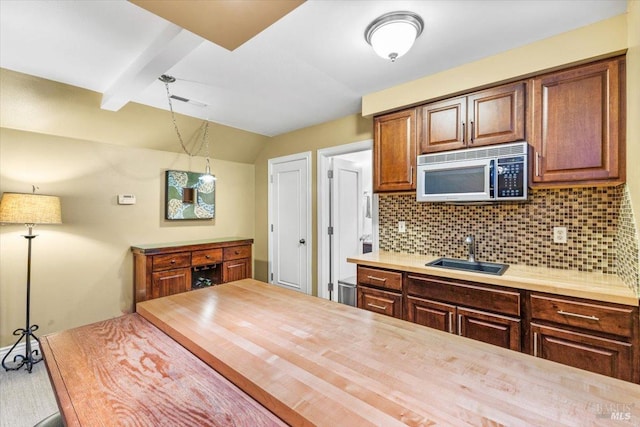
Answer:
(290, 222)
(346, 216)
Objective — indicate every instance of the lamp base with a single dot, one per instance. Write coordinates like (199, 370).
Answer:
(30, 358)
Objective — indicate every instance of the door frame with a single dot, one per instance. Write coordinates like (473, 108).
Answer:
(323, 213)
(309, 245)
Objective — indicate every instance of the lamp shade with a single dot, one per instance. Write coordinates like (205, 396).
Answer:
(24, 208)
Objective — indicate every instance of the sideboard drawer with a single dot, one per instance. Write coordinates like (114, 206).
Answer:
(237, 252)
(177, 260)
(206, 257)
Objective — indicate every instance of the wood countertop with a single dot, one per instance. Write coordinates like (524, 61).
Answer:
(596, 286)
(316, 362)
(126, 372)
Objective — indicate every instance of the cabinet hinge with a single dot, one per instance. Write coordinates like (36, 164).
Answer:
(330, 174)
(330, 231)
(271, 178)
(272, 277)
(272, 228)
(330, 287)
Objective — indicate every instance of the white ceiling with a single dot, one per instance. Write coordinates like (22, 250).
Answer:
(311, 66)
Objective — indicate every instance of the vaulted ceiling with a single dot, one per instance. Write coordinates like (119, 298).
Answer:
(310, 66)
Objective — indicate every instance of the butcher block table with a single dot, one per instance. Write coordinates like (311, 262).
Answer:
(315, 362)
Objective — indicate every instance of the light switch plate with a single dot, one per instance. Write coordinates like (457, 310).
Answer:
(126, 199)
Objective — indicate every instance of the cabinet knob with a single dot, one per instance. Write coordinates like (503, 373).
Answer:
(173, 261)
(302, 241)
(207, 256)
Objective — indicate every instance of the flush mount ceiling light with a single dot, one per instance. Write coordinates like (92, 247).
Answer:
(392, 34)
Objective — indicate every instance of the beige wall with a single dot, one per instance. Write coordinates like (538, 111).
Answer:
(633, 108)
(44, 106)
(83, 269)
(349, 129)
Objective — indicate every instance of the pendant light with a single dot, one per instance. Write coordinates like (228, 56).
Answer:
(392, 34)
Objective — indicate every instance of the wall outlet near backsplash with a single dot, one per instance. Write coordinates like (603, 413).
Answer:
(559, 234)
(599, 220)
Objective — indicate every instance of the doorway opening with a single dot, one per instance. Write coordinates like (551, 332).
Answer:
(347, 216)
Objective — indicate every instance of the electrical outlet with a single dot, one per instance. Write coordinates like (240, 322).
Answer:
(559, 234)
(402, 227)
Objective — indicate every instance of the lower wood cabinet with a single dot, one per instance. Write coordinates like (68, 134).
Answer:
(595, 336)
(474, 319)
(604, 356)
(169, 282)
(236, 270)
(488, 327)
(163, 270)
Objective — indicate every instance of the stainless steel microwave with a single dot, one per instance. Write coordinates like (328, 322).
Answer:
(485, 174)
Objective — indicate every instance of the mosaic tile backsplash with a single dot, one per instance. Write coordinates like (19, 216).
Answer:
(601, 234)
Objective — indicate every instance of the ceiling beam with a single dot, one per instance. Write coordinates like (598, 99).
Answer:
(170, 47)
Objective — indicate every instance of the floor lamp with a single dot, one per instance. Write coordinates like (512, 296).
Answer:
(27, 209)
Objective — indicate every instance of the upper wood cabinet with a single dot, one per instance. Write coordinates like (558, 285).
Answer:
(394, 151)
(491, 116)
(577, 124)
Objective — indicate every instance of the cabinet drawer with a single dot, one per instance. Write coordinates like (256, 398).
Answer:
(383, 302)
(166, 262)
(205, 257)
(237, 252)
(380, 278)
(466, 294)
(616, 320)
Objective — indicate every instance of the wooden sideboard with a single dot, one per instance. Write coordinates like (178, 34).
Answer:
(166, 269)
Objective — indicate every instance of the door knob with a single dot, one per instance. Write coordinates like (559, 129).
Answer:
(302, 241)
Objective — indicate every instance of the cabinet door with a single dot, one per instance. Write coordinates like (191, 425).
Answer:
(496, 115)
(490, 328)
(576, 119)
(603, 356)
(433, 314)
(443, 125)
(378, 301)
(237, 269)
(169, 282)
(394, 151)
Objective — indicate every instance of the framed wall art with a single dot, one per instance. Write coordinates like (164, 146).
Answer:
(188, 196)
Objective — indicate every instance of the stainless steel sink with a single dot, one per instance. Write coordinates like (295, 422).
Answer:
(476, 267)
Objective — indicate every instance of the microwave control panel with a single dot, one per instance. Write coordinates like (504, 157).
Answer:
(511, 178)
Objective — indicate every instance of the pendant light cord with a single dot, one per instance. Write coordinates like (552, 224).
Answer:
(175, 126)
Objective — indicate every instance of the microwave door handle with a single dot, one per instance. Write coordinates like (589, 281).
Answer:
(492, 179)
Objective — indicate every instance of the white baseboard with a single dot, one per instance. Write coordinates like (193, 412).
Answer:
(20, 349)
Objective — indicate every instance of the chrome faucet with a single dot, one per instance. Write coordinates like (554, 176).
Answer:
(471, 242)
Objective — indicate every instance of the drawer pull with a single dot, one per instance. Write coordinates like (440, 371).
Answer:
(535, 344)
(450, 322)
(379, 307)
(376, 278)
(581, 316)
(207, 256)
(173, 261)
(237, 252)
(235, 265)
(460, 324)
